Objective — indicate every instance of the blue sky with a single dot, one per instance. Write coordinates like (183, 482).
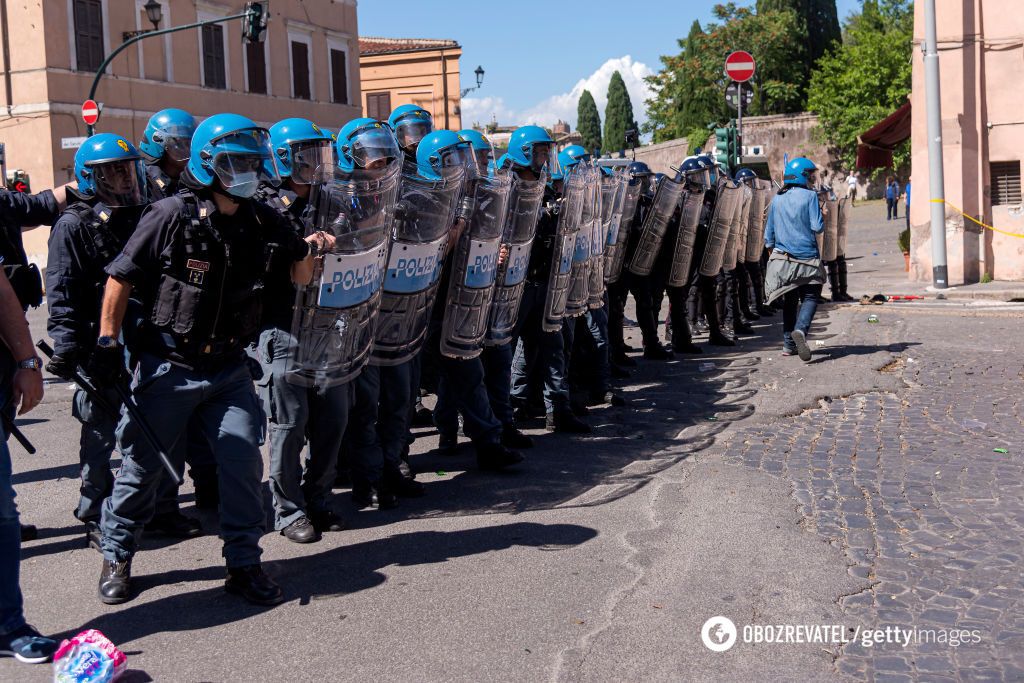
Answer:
(536, 62)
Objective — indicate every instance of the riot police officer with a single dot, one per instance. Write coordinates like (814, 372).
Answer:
(459, 319)
(629, 283)
(111, 193)
(314, 411)
(530, 150)
(410, 123)
(165, 147)
(197, 261)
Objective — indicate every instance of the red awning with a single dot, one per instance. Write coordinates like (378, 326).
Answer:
(875, 146)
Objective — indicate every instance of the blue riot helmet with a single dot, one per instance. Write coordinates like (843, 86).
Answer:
(745, 175)
(566, 164)
(331, 133)
(531, 147)
(366, 143)
(800, 172)
(712, 168)
(444, 149)
(638, 170)
(168, 133)
(696, 172)
(575, 152)
(232, 149)
(301, 147)
(411, 123)
(109, 169)
(482, 149)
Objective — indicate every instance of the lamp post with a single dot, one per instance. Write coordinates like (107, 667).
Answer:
(479, 71)
(155, 14)
(254, 28)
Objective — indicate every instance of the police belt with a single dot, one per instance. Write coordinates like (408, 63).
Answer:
(204, 356)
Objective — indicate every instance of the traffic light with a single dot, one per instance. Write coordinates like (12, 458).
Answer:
(254, 26)
(727, 146)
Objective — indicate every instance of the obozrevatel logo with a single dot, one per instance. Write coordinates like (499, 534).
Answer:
(718, 633)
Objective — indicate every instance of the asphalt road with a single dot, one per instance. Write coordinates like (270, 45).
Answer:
(741, 484)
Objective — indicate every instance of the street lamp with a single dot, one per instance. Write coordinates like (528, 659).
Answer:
(479, 72)
(155, 14)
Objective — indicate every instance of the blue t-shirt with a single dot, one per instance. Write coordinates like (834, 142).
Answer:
(908, 194)
(794, 219)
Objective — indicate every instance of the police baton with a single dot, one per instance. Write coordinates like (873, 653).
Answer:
(130, 405)
(13, 430)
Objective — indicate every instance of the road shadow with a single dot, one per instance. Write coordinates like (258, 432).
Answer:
(337, 572)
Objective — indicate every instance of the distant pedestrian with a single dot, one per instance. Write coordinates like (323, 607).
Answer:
(794, 271)
(851, 188)
(907, 194)
(892, 195)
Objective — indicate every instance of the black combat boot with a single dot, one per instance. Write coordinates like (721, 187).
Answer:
(254, 585)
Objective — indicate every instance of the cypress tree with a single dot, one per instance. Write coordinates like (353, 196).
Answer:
(588, 121)
(618, 115)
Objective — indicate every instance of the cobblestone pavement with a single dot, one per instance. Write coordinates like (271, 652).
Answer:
(910, 485)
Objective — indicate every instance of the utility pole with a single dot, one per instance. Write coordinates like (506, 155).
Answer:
(936, 179)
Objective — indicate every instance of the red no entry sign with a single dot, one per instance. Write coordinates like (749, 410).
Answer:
(90, 112)
(739, 66)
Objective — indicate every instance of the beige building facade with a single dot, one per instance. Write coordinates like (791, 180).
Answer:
(981, 62)
(307, 66)
(424, 72)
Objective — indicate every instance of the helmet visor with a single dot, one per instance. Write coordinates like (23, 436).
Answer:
(308, 156)
(544, 154)
(410, 131)
(243, 160)
(461, 155)
(119, 183)
(176, 148)
(701, 177)
(484, 158)
(373, 148)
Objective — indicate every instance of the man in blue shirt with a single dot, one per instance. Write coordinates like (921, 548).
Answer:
(907, 192)
(794, 268)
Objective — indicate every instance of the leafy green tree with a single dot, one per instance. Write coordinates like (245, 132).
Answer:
(690, 88)
(618, 115)
(818, 24)
(867, 78)
(588, 121)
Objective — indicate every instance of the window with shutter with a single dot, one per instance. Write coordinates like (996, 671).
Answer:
(214, 74)
(378, 105)
(1005, 179)
(88, 34)
(339, 77)
(300, 71)
(256, 66)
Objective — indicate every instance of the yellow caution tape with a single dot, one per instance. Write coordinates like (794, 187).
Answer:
(975, 220)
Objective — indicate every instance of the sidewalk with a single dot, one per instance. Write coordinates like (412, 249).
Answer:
(876, 265)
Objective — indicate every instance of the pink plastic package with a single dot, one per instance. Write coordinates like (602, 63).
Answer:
(89, 657)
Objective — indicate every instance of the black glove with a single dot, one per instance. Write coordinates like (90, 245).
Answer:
(106, 366)
(65, 363)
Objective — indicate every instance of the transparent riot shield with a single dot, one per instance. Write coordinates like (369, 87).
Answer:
(666, 199)
(590, 221)
(689, 219)
(335, 316)
(474, 268)
(738, 225)
(570, 214)
(844, 217)
(726, 211)
(609, 196)
(423, 220)
(615, 254)
(756, 221)
(831, 231)
(525, 202)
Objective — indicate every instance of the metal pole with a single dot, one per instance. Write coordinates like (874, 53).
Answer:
(936, 180)
(739, 125)
(131, 41)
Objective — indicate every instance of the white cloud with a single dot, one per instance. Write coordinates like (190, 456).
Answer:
(563, 106)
